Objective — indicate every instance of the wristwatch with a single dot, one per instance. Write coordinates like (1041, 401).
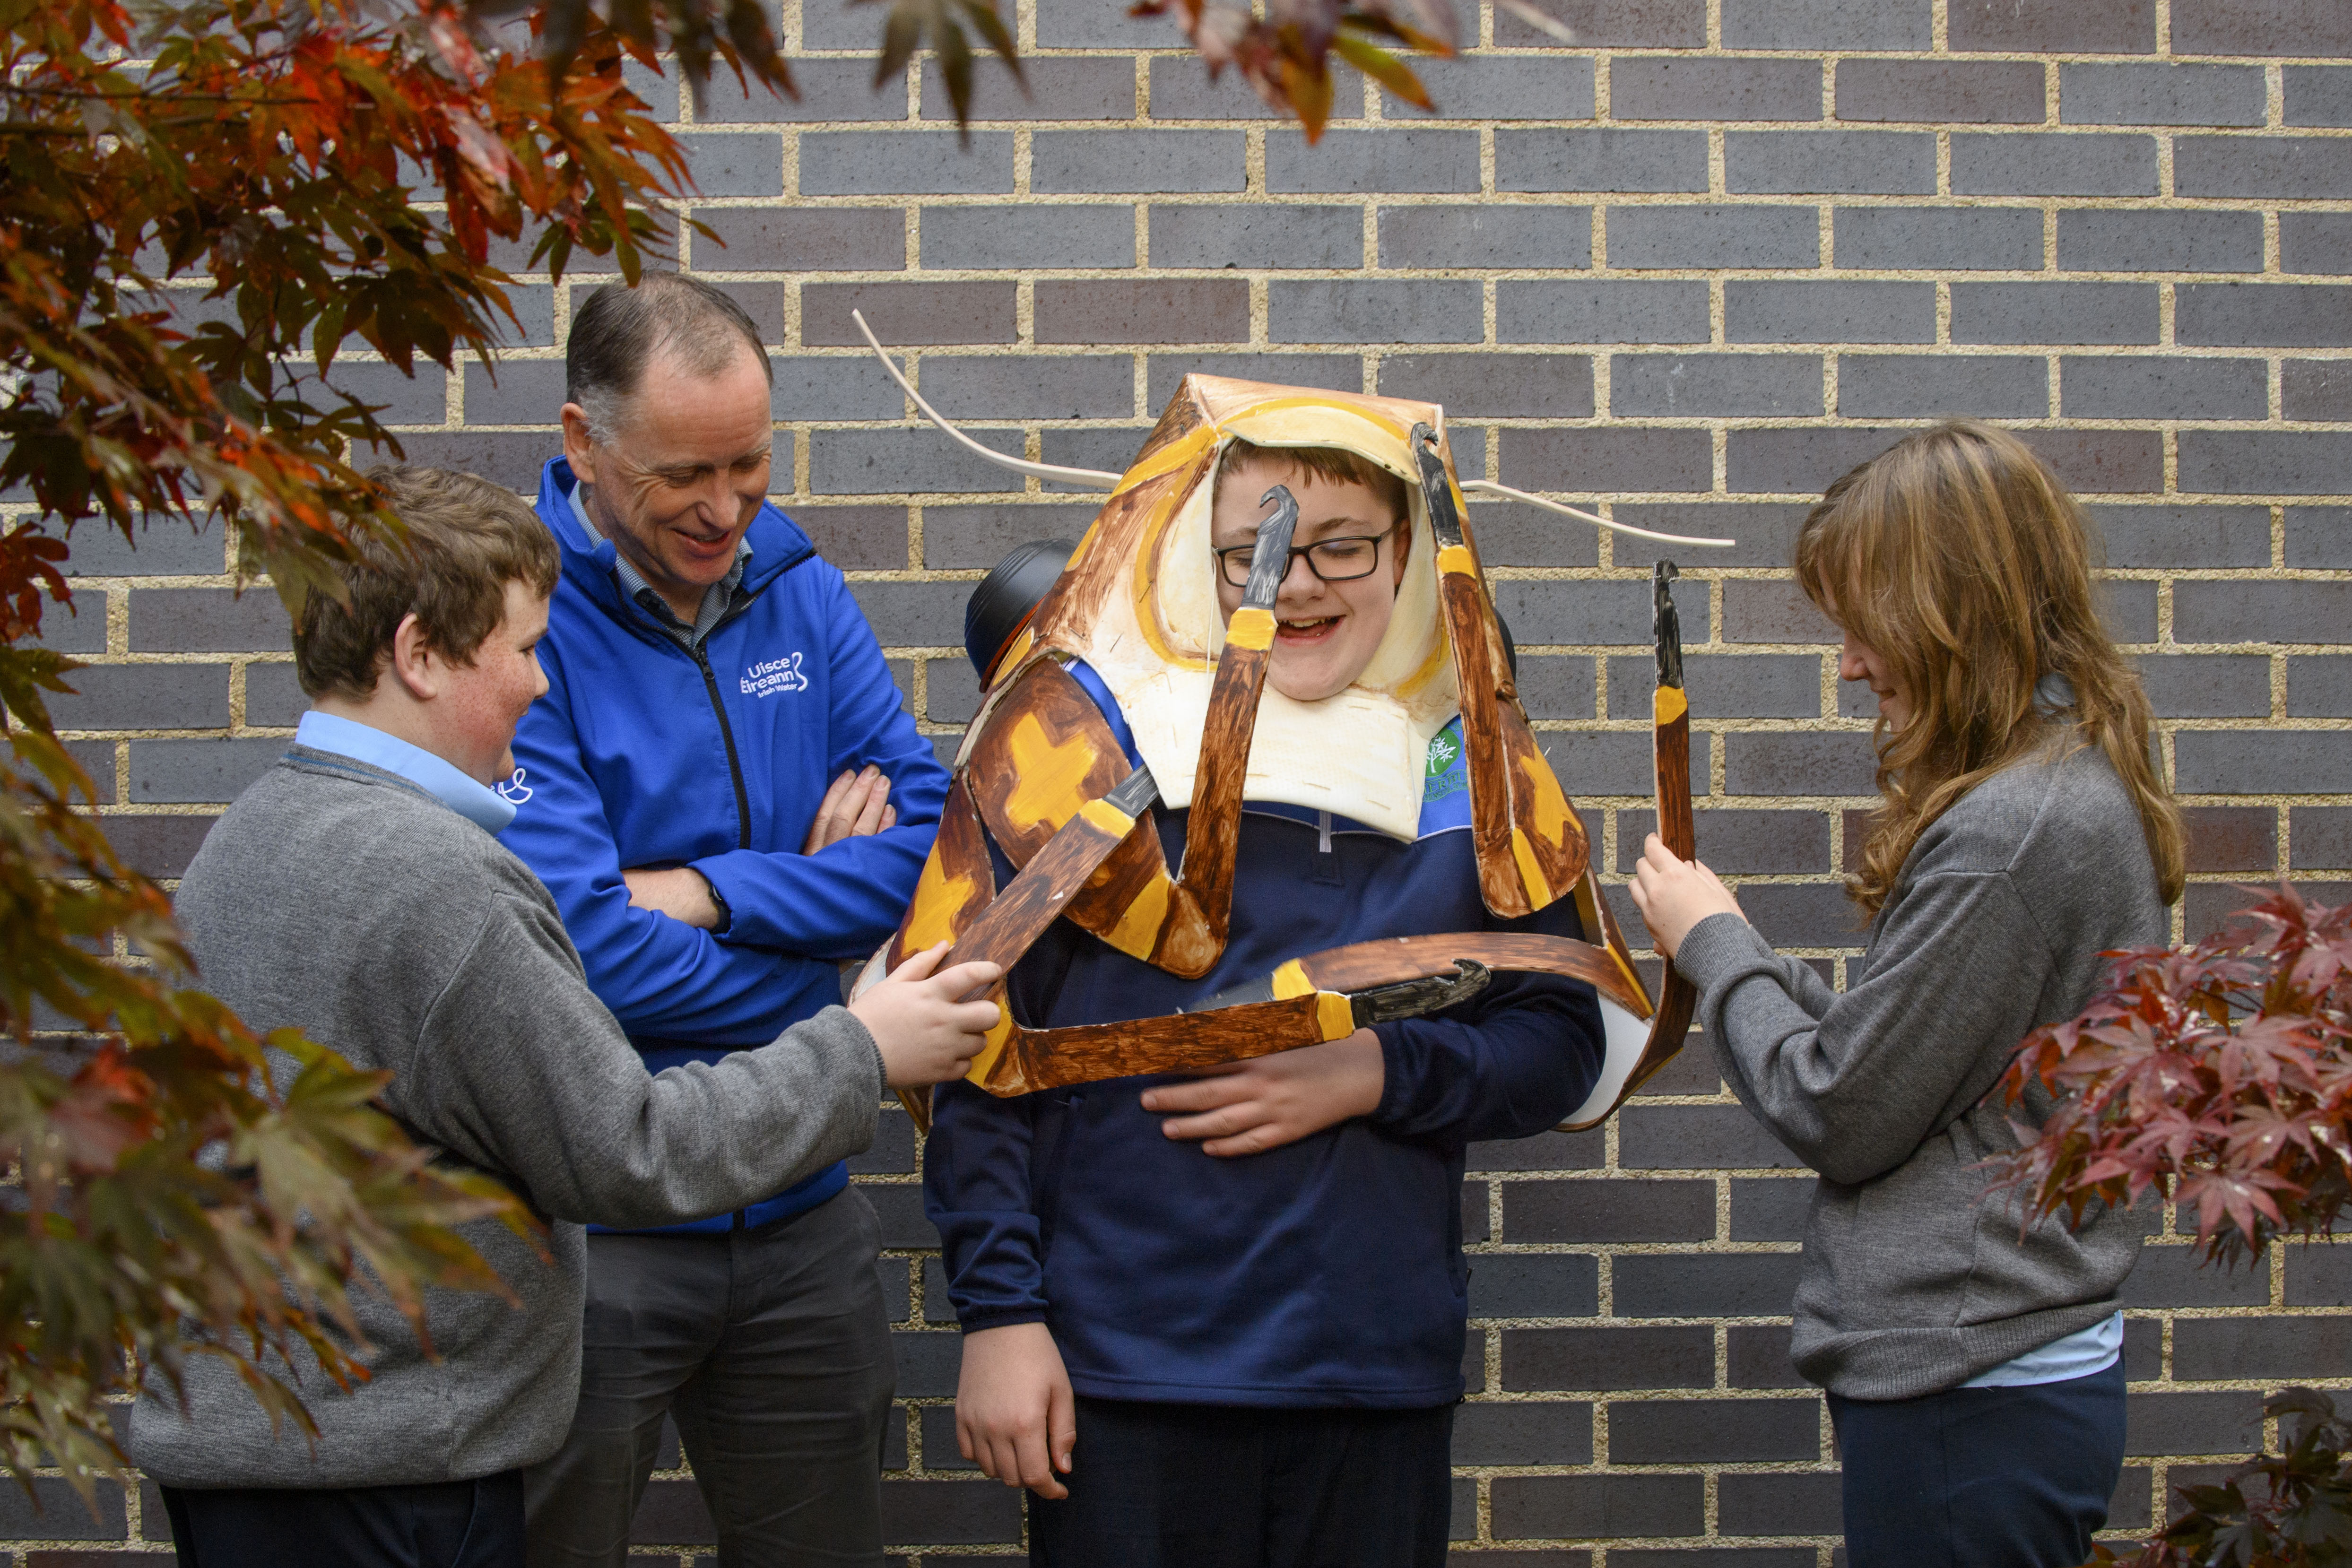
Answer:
(726, 916)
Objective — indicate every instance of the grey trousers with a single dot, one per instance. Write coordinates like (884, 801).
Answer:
(771, 1350)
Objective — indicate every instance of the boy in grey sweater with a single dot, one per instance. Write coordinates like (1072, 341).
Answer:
(356, 892)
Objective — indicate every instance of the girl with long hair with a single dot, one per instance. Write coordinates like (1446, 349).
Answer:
(1973, 1362)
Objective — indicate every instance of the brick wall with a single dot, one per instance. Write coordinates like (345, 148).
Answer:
(1689, 269)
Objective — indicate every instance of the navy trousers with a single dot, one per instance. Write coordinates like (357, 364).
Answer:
(454, 1524)
(1981, 1478)
(1201, 1486)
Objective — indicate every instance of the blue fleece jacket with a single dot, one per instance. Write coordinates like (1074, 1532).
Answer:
(640, 754)
(1326, 1272)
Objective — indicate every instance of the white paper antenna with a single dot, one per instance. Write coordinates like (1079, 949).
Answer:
(1091, 478)
(1488, 488)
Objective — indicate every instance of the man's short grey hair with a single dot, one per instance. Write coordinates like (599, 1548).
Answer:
(617, 331)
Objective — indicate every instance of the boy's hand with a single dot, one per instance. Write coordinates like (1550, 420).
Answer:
(1249, 1107)
(856, 806)
(1016, 1417)
(1675, 894)
(926, 1035)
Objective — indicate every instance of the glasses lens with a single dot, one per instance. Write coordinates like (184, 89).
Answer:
(1341, 561)
(1236, 565)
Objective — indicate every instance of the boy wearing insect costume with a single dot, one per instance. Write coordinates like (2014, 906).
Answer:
(1200, 1202)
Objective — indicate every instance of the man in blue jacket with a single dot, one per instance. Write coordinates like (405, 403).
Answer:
(709, 674)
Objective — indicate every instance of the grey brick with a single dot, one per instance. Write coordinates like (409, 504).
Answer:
(1057, 90)
(1735, 841)
(1617, 762)
(156, 846)
(2232, 838)
(1031, 386)
(908, 315)
(1075, 25)
(161, 547)
(2318, 95)
(1714, 89)
(1597, 1508)
(905, 162)
(1341, 372)
(1921, 386)
(1420, 311)
(2290, 1349)
(1833, 764)
(1600, 160)
(2054, 312)
(1105, 451)
(1365, 161)
(2265, 463)
(889, 462)
(207, 621)
(2103, 240)
(1503, 87)
(2319, 1274)
(1033, 234)
(273, 696)
(402, 399)
(2053, 164)
(2229, 1425)
(1955, 93)
(1804, 914)
(1498, 1434)
(2315, 389)
(1782, 1504)
(1798, 462)
(1692, 237)
(1615, 311)
(2059, 26)
(1544, 1152)
(2317, 243)
(1607, 1358)
(2162, 386)
(1618, 23)
(2102, 462)
(1989, 239)
(2264, 315)
(1181, 90)
(1757, 310)
(53, 1512)
(2162, 95)
(979, 536)
(1267, 237)
(527, 391)
(1548, 614)
(1555, 685)
(1687, 385)
(1494, 386)
(1487, 237)
(1590, 461)
(1707, 1431)
(1831, 163)
(1534, 1285)
(2249, 168)
(1766, 531)
(1143, 161)
(1729, 686)
(2207, 685)
(813, 239)
(1145, 311)
(511, 460)
(1757, 1356)
(143, 696)
(198, 772)
(75, 626)
(2278, 762)
(2185, 534)
(2320, 838)
(832, 387)
(1695, 1138)
(1691, 1285)
(2260, 28)
(2319, 536)
(1838, 25)
(2130, 611)
(737, 163)
(1608, 1211)
(1769, 1209)
(2242, 611)
(835, 91)
(2317, 688)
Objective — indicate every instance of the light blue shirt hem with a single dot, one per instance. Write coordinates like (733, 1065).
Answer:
(2079, 1354)
(470, 799)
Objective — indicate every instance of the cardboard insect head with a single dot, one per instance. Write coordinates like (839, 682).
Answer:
(1043, 773)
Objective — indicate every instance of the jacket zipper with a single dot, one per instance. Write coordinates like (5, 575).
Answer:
(726, 734)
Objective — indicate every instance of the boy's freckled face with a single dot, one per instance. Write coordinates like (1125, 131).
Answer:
(488, 696)
(1325, 632)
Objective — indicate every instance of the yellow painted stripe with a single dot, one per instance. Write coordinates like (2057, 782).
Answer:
(1291, 980)
(1668, 704)
(1333, 1015)
(1458, 560)
(1138, 928)
(997, 1038)
(1251, 628)
(1531, 873)
(1107, 817)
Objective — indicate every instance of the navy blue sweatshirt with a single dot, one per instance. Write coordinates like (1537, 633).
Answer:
(1326, 1273)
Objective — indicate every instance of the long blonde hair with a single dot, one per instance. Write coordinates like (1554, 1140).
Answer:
(1959, 557)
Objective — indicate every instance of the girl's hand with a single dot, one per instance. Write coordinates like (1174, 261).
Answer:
(1675, 894)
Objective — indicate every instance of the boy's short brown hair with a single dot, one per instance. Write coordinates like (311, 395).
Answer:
(1332, 464)
(468, 538)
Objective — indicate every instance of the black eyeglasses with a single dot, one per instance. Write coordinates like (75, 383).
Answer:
(1333, 561)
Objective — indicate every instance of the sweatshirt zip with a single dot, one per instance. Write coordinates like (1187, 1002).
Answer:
(726, 734)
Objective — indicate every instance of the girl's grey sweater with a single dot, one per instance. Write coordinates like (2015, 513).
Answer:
(342, 900)
(1912, 1281)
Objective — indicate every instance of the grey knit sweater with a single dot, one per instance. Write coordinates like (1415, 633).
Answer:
(1912, 1282)
(343, 900)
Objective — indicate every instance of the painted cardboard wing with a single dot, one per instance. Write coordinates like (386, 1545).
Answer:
(1043, 773)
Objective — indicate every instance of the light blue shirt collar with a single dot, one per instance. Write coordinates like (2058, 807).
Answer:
(475, 802)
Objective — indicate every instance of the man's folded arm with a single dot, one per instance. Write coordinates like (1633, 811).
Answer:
(528, 1076)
